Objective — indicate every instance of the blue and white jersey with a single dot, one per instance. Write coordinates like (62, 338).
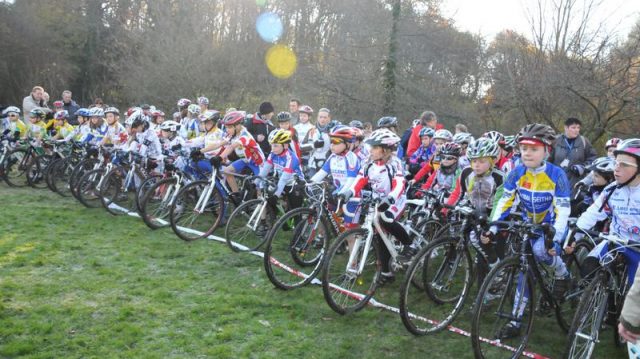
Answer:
(343, 169)
(285, 166)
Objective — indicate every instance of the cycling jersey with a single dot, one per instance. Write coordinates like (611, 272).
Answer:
(248, 149)
(189, 128)
(64, 130)
(440, 180)
(623, 207)
(37, 130)
(19, 126)
(483, 191)
(96, 134)
(544, 193)
(169, 144)
(362, 152)
(385, 180)
(507, 163)
(343, 169)
(79, 132)
(147, 144)
(464, 162)
(303, 130)
(422, 155)
(319, 154)
(116, 134)
(285, 166)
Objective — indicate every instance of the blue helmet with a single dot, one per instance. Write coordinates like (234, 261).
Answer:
(84, 112)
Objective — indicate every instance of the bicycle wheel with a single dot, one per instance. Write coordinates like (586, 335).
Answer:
(495, 309)
(565, 312)
(191, 219)
(142, 189)
(115, 198)
(585, 328)
(444, 268)
(428, 228)
(60, 177)
(156, 204)
(35, 172)
(16, 163)
(48, 175)
(293, 256)
(347, 289)
(78, 171)
(87, 192)
(248, 225)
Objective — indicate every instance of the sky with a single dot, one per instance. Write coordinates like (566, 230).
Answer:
(489, 17)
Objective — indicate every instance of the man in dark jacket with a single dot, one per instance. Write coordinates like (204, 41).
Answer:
(259, 126)
(572, 152)
(71, 107)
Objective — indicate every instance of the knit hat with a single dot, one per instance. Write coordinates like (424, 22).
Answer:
(265, 108)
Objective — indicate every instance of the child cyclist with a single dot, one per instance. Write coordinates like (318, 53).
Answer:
(619, 201)
(481, 184)
(358, 146)
(116, 133)
(240, 141)
(543, 191)
(82, 129)
(384, 175)
(211, 140)
(463, 139)
(285, 166)
(284, 122)
(343, 165)
(592, 185)
(37, 126)
(444, 178)
(423, 154)
(611, 145)
(62, 128)
(440, 137)
(15, 124)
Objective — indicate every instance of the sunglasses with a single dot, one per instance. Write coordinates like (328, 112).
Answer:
(625, 164)
(13, 115)
(336, 141)
(449, 158)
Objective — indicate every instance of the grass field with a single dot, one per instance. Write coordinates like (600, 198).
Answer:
(78, 283)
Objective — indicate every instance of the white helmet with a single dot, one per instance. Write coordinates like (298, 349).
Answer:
(96, 111)
(462, 137)
(11, 109)
(170, 125)
(383, 137)
(603, 165)
(444, 135)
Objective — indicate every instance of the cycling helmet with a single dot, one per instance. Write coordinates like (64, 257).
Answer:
(210, 115)
(462, 137)
(176, 116)
(233, 117)
(427, 131)
(280, 136)
(96, 112)
(184, 102)
(139, 121)
(9, 109)
(157, 113)
(483, 147)
(510, 142)
(61, 115)
(343, 132)
(359, 133)
(357, 124)
(613, 142)
(444, 135)
(194, 109)
(603, 165)
(284, 116)
(451, 149)
(383, 137)
(112, 110)
(387, 121)
(131, 110)
(138, 114)
(536, 133)
(171, 126)
(305, 109)
(58, 104)
(416, 122)
(37, 113)
(495, 136)
(84, 112)
(203, 100)
(629, 147)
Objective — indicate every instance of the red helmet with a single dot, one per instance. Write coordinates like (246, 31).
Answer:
(344, 132)
(58, 104)
(233, 117)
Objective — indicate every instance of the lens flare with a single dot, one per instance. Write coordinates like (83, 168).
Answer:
(269, 27)
(281, 61)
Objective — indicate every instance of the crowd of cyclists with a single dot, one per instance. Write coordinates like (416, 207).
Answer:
(418, 186)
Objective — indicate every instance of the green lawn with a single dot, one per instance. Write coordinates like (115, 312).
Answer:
(76, 282)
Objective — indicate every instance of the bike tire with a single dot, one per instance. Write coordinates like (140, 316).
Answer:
(154, 212)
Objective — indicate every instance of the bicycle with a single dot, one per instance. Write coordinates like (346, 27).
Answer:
(7, 161)
(61, 170)
(119, 188)
(88, 186)
(602, 298)
(294, 248)
(506, 285)
(358, 269)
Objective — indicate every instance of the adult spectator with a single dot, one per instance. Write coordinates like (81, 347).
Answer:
(571, 151)
(629, 327)
(259, 125)
(71, 107)
(428, 119)
(35, 99)
(294, 105)
(98, 103)
(368, 128)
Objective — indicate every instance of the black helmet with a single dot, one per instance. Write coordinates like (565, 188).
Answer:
(537, 132)
(387, 121)
(357, 124)
(284, 116)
